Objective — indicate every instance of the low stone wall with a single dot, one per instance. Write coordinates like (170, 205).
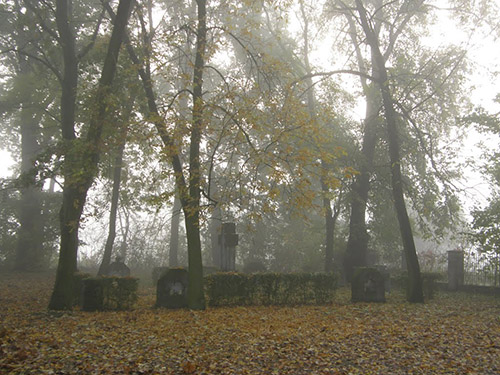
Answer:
(473, 289)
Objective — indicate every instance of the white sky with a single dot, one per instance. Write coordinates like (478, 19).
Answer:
(6, 163)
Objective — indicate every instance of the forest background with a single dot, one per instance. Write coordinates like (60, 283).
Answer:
(320, 128)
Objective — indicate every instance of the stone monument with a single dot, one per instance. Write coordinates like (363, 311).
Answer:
(228, 240)
(171, 289)
(367, 285)
(455, 269)
(118, 268)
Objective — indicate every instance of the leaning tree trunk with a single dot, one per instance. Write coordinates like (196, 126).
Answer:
(115, 195)
(173, 254)
(182, 86)
(415, 293)
(189, 195)
(81, 155)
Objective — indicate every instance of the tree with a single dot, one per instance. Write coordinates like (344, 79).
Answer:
(415, 281)
(485, 226)
(20, 105)
(330, 214)
(425, 88)
(189, 190)
(115, 193)
(173, 254)
(357, 244)
(80, 155)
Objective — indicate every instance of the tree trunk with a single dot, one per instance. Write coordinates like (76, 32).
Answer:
(415, 283)
(196, 297)
(330, 233)
(183, 103)
(357, 243)
(81, 156)
(173, 254)
(188, 194)
(29, 252)
(69, 215)
(115, 195)
(311, 104)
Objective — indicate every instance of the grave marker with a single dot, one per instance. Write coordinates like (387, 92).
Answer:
(367, 285)
(171, 289)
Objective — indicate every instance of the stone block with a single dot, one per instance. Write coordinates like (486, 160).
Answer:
(367, 285)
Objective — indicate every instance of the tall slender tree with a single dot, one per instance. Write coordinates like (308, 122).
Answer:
(115, 192)
(189, 189)
(29, 254)
(415, 281)
(81, 156)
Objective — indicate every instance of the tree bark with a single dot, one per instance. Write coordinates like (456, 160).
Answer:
(115, 195)
(415, 283)
(196, 297)
(357, 243)
(329, 232)
(69, 215)
(189, 194)
(29, 252)
(173, 254)
(81, 156)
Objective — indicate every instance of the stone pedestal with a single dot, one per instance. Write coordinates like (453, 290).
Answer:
(367, 285)
(228, 240)
(171, 289)
(455, 269)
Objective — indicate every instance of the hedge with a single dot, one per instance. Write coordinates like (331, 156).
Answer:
(429, 282)
(109, 293)
(230, 289)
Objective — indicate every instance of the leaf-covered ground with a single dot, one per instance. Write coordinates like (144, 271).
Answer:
(452, 334)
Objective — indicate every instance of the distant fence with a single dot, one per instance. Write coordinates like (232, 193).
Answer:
(477, 269)
(481, 269)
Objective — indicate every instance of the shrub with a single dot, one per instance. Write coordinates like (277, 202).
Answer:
(226, 289)
(254, 267)
(78, 287)
(109, 293)
(429, 282)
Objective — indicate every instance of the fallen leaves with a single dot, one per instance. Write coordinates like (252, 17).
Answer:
(451, 334)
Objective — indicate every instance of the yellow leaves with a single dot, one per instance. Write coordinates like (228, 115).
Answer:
(350, 172)
(188, 368)
(273, 193)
